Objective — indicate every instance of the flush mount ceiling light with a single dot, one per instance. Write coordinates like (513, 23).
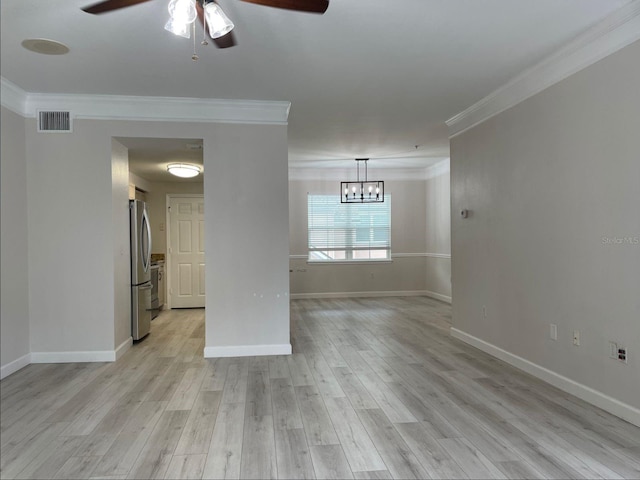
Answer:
(184, 170)
(44, 46)
(362, 191)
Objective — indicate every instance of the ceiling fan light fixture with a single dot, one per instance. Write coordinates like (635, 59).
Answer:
(184, 170)
(183, 11)
(178, 28)
(218, 22)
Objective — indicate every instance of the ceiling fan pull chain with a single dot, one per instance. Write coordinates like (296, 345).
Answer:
(194, 57)
(204, 30)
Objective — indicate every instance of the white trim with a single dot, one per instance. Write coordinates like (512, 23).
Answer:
(398, 293)
(297, 172)
(364, 261)
(588, 394)
(12, 96)
(393, 255)
(247, 350)
(439, 169)
(125, 107)
(614, 32)
(14, 366)
(430, 255)
(73, 357)
(124, 346)
(438, 296)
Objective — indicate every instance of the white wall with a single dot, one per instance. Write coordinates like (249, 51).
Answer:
(71, 238)
(121, 245)
(404, 274)
(547, 182)
(247, 241)
(71, 243)
(14, 304)
(419, 207)
(438, 231)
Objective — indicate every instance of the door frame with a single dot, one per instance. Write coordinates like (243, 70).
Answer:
(167, 262)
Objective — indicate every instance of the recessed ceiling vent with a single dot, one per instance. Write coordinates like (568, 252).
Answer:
(54, 122)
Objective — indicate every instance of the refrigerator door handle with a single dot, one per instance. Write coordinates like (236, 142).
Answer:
(145, 287)
(146, 256)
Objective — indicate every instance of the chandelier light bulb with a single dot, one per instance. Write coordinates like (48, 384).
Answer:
(219, 23)
(183, 11)
(178, 28)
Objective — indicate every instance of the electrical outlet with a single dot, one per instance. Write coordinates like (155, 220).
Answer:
(553, 331)
(623, 354)
(484, 312)
(576, 338)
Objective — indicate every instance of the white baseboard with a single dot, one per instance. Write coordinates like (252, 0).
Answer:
(588, 394)
(74, 357)
(13, 367)
(399, 293)
(247, 350)
(438, 296)
(124, 346)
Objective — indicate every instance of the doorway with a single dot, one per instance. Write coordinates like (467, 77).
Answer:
(148, 160)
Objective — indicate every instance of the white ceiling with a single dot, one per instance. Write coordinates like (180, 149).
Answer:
(149, 157)
(370, 78)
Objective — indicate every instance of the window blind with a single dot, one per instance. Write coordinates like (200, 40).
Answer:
(339, 231)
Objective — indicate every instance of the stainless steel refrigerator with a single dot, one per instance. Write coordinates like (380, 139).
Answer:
(140, 269)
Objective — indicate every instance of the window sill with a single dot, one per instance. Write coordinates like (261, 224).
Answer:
(349, 262)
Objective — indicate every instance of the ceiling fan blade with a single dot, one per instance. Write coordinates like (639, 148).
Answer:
(313, 6)
(110, 5)
(225, 41)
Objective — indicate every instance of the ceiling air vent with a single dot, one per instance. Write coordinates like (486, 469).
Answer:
(54, 122)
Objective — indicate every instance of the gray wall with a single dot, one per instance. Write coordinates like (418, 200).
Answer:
(548, 182)
(419, 209)
(14, 304)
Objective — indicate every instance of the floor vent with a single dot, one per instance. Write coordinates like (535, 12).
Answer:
(54, 122)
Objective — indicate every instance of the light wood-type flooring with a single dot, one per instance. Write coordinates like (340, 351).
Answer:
(375, 388)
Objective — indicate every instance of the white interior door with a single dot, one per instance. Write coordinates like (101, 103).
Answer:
(186, 251)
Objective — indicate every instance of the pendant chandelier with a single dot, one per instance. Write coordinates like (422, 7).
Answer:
(362, 190)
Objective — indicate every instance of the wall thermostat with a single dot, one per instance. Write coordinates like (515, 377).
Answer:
(464, 213)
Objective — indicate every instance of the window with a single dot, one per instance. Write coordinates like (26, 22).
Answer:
(348, 232)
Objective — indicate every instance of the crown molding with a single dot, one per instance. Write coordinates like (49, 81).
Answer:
(614, 32)
(438, 169)
(12, 97)
(123, 107)
(344, 174)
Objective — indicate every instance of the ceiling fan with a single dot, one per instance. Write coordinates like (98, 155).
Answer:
(184, 12)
